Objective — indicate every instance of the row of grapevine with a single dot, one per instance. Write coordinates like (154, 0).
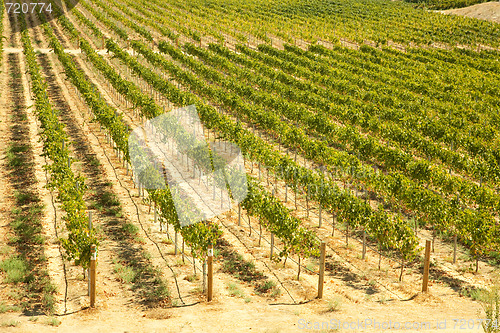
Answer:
(70, 188)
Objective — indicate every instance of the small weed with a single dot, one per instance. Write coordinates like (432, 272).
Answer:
(197, 290)
(265, 287)
(15, 295)
(14, 268)
(334, 304)
(140, 240)
(53, 322)
(10, 323)
(24, 198)
(5, 250)
(477, 294)
(14, 158)
(276, 292)
(234, 290)
(166, 241)
(130, 229)
(382, 299)
(125, 273)
(311, 267)
(192, 278)
(248, 299)
(94, 162)
(6, 308)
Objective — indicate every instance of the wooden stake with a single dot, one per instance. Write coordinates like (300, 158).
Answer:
(307, 200)
(239, 215)
(175, 250)
(183, 261)
(320, 220)
(295, 196)
(210, 273)
(321, 270)
(260, 232)
(364, 244)
(204, 275)
(88, 278)
(425, 282)
(272, 246)
(92, 275)
(454, 248)
(298, 273)
(249, 224)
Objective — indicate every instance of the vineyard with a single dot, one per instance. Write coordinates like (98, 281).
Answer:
(368, 189)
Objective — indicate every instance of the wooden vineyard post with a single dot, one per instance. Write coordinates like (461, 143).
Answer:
(321, 270)
(175, 245)
(426, 265)
(88, 271)
(272, 246)
(239, 215)
(210, 272)
(320, 219)
(204, 274)
(296, 194)
(364, 244)
(307, 200)
(260, 232)
(183, 260)
(454, 248)
(92, 275)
